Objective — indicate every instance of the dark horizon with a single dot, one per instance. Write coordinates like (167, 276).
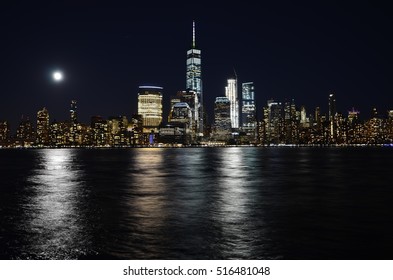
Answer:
(290, 51)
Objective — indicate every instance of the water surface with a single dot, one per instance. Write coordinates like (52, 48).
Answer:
(197, 203)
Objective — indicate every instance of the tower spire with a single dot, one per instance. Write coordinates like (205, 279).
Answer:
(193, 34)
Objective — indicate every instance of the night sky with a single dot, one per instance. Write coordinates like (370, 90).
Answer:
(289, 50)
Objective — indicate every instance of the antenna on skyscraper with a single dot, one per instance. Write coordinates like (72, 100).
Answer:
(193, 34)
(234, 71)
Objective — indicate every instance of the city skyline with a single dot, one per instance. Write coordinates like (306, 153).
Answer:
(292, 52)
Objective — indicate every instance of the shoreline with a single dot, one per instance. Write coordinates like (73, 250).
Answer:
(202, 146)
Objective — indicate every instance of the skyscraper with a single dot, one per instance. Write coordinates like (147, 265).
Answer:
(4, 132)
(222, 118)
(42, 137)
(248, 109)
(191, 98)
(25, 133)
(273, 121)
(73, 115)
(332, 116)
(74, 123)
(194, 79)
(150, 107)
(231, 94)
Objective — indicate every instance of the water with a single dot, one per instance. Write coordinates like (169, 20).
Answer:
(197, 203)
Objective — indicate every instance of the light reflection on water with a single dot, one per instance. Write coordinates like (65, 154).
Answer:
(234, 203)
(213, 203)
(52, 221)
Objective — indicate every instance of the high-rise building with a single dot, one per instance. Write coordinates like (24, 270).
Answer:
(181, 112)
(194, 80)
(274, 121)
(291, 126)
(231, 94)
(353, 116)
(25, 133)
(117, 130)
(73, 115)
(42, 137)
(4, 133)
(150, 107)
(304, 121)
(74, 135)
(191, 98)
(390, 114)
(222, 118)
(58, 135)
(249, 123)
(100, 134)
(332, 116)
(318, 117)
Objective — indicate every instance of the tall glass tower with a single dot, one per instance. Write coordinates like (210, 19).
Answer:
(194, 80)
(332, 116)
(248, 108)
(231, 94)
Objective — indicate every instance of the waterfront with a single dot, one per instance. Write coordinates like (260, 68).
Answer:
(197, 203)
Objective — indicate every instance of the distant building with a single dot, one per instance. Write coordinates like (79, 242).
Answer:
(353, 116)
(59, 134)
(100, 134)
(117, 131)
(194, 81)
(274, 121)
(134, 129)
(150, 107)
(332, 117)
(304, 120)
(231, 94)
(190, 98)
(4, 133)
(291, 123)
(222, 119)
(25, 133)
(43, 129)
(248, 116)
(74, 133)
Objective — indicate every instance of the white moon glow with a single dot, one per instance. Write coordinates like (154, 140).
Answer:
(58, 76)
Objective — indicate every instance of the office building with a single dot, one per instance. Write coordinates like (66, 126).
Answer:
(194, 81)
(248, 115)
(42, 136)
(150, 107)
(231, 94)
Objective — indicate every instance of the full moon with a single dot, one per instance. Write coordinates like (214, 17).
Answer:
(57, 76)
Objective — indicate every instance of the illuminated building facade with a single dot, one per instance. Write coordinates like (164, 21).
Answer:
(117, 131)
(43, 129)
(291, 126)
(353, 116)
(222, 118)
(58, 135)
(231, 94)
(181, 112)
(191, 99)
(25, 133)
(74, 135)
(150, 107)
(4, 133)
(249, 123)
(194, 81)
(100, 134)
(332, 117)
(274, 121)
